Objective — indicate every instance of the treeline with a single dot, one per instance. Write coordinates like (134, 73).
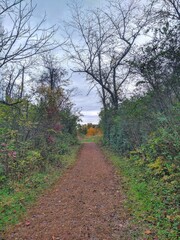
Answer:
(89, 130)
(35, 133)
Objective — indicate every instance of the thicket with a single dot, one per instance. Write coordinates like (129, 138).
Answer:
(37, 119)
(38, 127)
(32, 136)
(148, 142)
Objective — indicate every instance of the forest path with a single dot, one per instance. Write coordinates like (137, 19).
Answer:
(86, 203)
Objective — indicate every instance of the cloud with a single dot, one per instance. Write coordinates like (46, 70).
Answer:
(90, 119)
(90, 113)
(88, 104)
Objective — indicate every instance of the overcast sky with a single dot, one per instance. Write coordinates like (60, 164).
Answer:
(57, 11)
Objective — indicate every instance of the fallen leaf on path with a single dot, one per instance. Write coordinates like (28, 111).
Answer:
(27, 223)
(147, 232)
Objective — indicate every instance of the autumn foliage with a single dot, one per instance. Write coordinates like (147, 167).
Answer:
(93, 131)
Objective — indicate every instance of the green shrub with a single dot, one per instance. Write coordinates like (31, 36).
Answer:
(152, 194)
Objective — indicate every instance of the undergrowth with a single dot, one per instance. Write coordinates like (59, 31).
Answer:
(17, 196)
(152, 196)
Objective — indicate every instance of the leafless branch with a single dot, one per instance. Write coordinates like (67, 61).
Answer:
(20, 39)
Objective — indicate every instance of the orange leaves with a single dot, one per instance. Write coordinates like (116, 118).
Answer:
(92, 131)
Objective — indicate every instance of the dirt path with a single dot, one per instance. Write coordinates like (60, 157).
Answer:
(85, 204)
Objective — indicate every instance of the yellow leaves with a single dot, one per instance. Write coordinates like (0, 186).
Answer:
(158, 165)
(92, 131)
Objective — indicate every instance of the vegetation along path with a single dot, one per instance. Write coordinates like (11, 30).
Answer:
(85, 204)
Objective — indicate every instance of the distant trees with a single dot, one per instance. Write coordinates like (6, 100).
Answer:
(94, 131)
(89, 130)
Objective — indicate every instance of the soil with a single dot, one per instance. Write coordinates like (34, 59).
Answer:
(86, 203)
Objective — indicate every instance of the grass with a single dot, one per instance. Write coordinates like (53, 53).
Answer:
(87, 139)
(17, 196)
(148, 199)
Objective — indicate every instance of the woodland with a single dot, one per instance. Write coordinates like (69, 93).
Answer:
(129, 52)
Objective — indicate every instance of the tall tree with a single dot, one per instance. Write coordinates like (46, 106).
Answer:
(106, 40)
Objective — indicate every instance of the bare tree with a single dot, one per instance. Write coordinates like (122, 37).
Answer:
(106, 41)
(15, 80)
(19, 38)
